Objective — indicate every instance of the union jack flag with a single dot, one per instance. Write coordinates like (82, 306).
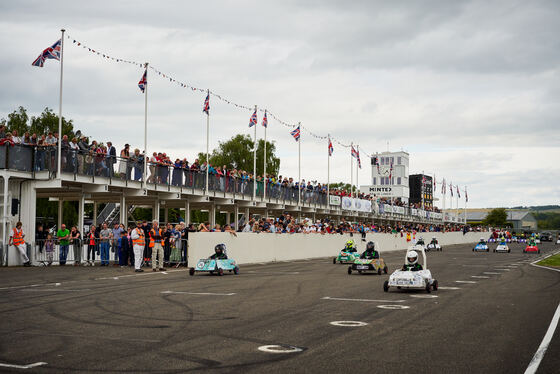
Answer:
(206, 107)
(458, 193)
(353, 152)
(51, 52)
(296, 133)
(253, 120)
(466, 195)
(451, 188)
(265, 120)
(443, 185)
(359, 161)
(434, 183)
(331, 149)
(391, 172)
(144, 81)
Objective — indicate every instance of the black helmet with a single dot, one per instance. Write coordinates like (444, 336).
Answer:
(370, 246)
(220, 248)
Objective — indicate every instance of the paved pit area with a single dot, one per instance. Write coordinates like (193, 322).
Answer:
(490, 315)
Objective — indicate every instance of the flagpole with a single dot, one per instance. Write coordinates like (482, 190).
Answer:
(328, 172)
(146, 154)
(357, 168)
(299, 165)
(351, 169)
(422, 190)
(264, 162)
(59, 161)
(207, 145)
(255, 160)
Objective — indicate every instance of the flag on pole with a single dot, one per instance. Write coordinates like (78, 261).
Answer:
(51, 52)
(295, 133)
(353, 152)
(443, 186)
(451, 188)
(434, 183)
(253, 119)
(265, 120)
(458, 193)
(144, 81)
(206, 108)
(358, 157)
(331, 149)
(466, 195)
(391, 172)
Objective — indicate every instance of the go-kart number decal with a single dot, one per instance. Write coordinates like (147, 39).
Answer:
(200, 265)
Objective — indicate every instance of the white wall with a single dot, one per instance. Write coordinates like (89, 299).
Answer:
(248, 248)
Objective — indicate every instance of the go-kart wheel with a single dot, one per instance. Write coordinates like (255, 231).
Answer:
(539, 251)
(191, 272)
(220, 271)
(509, 250)
(386, 286)
(385, 269)
(379, 271)
(473, 249)
(428, 288)
(349, 270)
(487, 249)
(236, 270)
(494, 251)
(334, 260)
(435, 285)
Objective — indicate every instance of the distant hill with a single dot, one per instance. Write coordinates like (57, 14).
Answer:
(539, 208)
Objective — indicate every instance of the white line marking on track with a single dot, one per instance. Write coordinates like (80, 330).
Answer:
(362, 300)
(28, 366)
(199, 293)
(348, 323)
(276, 348)
(52, 290)
(491, 273)
(534, 263)
(141, 275)
(539, 354)
(480, 276)
(500, 269)
(448, 288)
(15, 287)
(393, 307)
(424, 296)
(465, 282)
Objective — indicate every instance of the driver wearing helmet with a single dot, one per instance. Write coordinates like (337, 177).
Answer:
(434, 240)
(412, 262)
(370, 252)
(350, 246)
(219, 252)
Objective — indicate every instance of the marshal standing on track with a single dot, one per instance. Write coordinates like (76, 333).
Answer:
(17, 239)
(157, 250)
(138, 241)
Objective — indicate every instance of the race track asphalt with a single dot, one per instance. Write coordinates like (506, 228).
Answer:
(111, 320)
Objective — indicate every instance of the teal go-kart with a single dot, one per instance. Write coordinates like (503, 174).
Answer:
(481, 246)
(208, 265)
(346, 257)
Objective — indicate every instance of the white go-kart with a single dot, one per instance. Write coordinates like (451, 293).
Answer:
(412, 280)
(433, 246)
(502, 247)
(420, 245)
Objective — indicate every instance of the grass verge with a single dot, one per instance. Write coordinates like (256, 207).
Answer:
(552, 261)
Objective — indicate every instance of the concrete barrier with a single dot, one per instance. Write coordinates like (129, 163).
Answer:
(247, 248)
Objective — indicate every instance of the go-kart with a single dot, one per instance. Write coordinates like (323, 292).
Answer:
(418, 246)
(531, 248)
(413, 280)
(346, 257)
(209, 265)
(537, 241)
(558, 241)
(481, 246)
(364, 265)
(433, 245)
(502, 247)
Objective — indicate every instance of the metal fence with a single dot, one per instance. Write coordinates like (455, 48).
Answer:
(92, 252)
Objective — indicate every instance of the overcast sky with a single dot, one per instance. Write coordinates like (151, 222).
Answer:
(470, 88)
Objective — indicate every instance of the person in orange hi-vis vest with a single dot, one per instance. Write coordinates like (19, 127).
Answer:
(155, 243)
(138, 243)
(17, 239)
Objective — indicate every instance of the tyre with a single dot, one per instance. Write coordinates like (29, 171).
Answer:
(334, 261)
(385, 269)
(487, 249)
(539, 251)
(428, 288)
(386, 286)
(379, 271)
(435, 285)
(236, 270)
(494, 251)
(349, 270)
(191, 272)
(473, 249)
(220, 271)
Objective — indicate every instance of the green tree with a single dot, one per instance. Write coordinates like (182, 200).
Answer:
(48, 122)
(238, 153)
(18, 120)
(496, 217)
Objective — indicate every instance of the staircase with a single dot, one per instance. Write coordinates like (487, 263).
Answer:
(111, 213)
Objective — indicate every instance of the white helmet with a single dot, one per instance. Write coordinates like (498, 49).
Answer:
(411, 258)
